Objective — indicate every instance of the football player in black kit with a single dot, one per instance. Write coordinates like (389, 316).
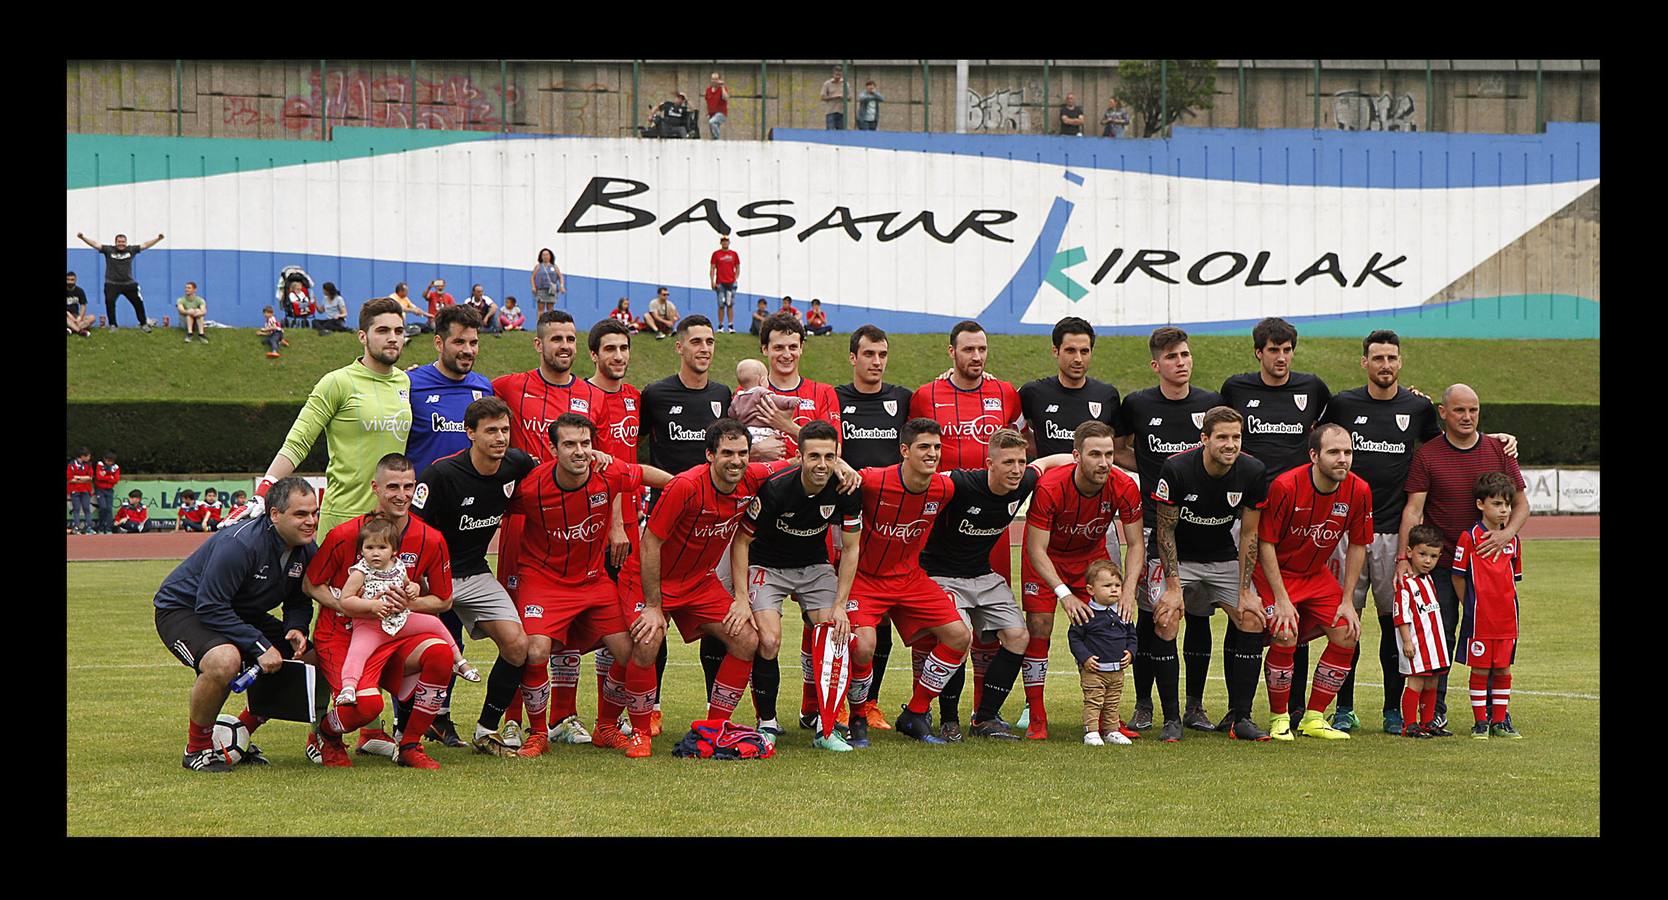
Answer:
(1054, 406)
(1279, 406)
(872, 413)
(1201, 494)
(1153, 425)
(463, 496)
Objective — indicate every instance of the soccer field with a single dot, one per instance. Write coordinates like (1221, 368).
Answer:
(128, 780)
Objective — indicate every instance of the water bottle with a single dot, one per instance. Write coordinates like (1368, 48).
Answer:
(244, 679)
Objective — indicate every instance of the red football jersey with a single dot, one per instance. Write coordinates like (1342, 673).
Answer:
(126, 513)
(196, 512)
(535, 403)
(106, 477)
(816, 401)
(212, 511)
(1490, 599)
(727, 263)
(422, 549)
(969, 418)
(702, 520)
(617, 420)
(898, 521)
(1077, 523)
(565, 532)
(78, 469)
(1305, 525)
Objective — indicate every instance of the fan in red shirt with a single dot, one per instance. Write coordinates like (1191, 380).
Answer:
(701, 510)
(191, 514)
(213, 509)
(1065, 531)
(565, 592)
(426, 669)
(1309, 509)
(900, 504)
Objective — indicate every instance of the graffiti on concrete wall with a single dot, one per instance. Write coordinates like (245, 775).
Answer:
(1359, 111)
(452, 104)
(1002, 110)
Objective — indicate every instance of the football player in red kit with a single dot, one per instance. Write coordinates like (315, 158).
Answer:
(1487, 588)
(1309, 509)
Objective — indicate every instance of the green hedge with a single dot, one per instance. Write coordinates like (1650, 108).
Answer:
(197, 436)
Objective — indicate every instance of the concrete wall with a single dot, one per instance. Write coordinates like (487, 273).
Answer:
(283, 100)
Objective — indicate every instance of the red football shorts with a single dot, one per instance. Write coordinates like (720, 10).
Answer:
(693, 605)
(1316, 597)
(914, 603)
(1037, 597)
(553, 610)
(1487, 653)
(385, 668)
(509, 552)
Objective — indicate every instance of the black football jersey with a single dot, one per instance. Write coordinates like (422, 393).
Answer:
(1385, 434)
(1277, 419)
(676, 418)
(1162, 428)
(788, 525)
(972, 522)
(1054, 412)
(1208, 506)
(466, 506)
(871, 424)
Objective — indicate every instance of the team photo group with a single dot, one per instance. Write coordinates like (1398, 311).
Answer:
(888, 515)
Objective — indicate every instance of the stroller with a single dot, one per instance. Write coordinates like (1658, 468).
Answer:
(295, 297)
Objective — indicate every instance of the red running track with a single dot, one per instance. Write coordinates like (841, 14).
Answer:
(170, 545)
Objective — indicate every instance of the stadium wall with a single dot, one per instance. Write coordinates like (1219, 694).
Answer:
(1452, 235)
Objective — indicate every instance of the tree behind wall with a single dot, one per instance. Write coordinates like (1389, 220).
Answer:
(1192, 85)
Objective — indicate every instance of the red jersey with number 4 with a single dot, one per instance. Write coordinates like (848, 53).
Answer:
(696, 522)
(1076, 522)
(535, 403)
(968, 418)
(1490, 585)
(1305, 525)
(727, 264)
(422, 549)
(898, 521)
(565, 533)
(816, 401)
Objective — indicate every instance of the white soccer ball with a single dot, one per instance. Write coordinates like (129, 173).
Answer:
(231, 738)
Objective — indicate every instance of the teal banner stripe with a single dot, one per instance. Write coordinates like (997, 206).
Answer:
(1518, 316)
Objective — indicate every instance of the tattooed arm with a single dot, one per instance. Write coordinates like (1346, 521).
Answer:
(1167, 611)
(1250, 605)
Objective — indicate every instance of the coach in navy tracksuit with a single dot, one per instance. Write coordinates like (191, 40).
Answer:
(212, 610)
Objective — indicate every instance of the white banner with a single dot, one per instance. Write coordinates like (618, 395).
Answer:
(1542, 488)
(1578, 490)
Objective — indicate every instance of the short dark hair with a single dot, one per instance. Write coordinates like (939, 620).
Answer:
(1218, 415)
(285, 489)
(552, 317)
(818, 431)
(381, 306)
(693, 320)
(393, 462)
(1424, 536)
(136, 492)
(1272, 330)
(455, 315)
(872, 332)
(1164, 338)
(1381, 336)
(188, 494)
(211, 489)
(83, 451)
(72, 275)
(1495, 484)
(236, 495)
(110, 455)
(192, 283)
(916, 427)
(780, 322)
(1319, 432)
(963, 327)
(816, 301)
(572, 420)
(1073, 325)
(488, 407)
(607, 326)
(1090, 429)
(726, 428)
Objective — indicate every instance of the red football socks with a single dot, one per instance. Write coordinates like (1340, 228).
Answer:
(1033, 672)
(728, 686)
(198, 738)
(1330, 673)
(1277, 671)
(1410, 706)
(535, 696)
(1501, 687)
(640, 692)
(940, 664)
(429, 698)
(250, 720)
(612, 697)
(564, 685)
(1427, 704)
(1479, 695)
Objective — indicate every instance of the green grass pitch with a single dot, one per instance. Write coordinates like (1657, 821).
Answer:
(126, 730)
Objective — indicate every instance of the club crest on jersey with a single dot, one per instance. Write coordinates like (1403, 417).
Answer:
(1302, 401)
(1198, 420)
(1340, 509)
(1013, 507)
(533, 611)
(930, 509)
(296, 568)
(475, 395)
(1105, 506)
(509, 488)
(827, 511)
(1402, 421)
(1162, 490)
(409, 559)
(599, 498)
(515, 582)
(993, 403)
(402, 393)
(807, 403)
(1477, 648)
(891, 407)
(757, 506)
(1234, 497)
(1094, 409)
(420, 496)
(579, 405)
(630, 405)
(717, 409)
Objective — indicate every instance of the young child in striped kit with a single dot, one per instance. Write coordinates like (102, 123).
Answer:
(1420, 639)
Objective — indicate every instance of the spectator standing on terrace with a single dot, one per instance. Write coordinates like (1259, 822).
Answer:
(1071, 117)
(718, 105)
(193, 308)
(834, 101)
(118, 276)
(547, 282)
(1115, 120)
(868, 107)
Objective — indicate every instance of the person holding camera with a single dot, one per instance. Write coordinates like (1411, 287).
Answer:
(718, 105)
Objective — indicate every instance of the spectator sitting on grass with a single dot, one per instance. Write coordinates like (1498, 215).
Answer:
(622, 314)
(239, 505)
(511, 318)
(193, 308)
(816, 321)
(484, 308)
(272, 332)
(191, 514)
(402, 296)
(759, 315)
(132, 517)
(788, 307)
(663, 315)
(332, 311)
(77, 320)
(213, 509)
